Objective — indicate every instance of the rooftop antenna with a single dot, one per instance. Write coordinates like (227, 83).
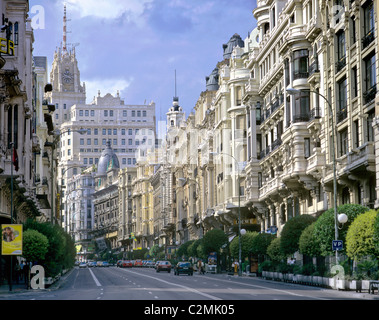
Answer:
(175, 86)
(64, 29)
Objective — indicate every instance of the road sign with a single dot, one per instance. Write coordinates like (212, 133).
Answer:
(337, 245)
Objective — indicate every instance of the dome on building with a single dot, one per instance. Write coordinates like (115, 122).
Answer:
(108, 160)
(234, 41)
(175, 105)
(212, 80)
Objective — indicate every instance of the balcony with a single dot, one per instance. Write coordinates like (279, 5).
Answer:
(316, 161)
(362, 157)
(340, 64)
(341, 114)
(369, 95)
(301, 117)
(368, 39)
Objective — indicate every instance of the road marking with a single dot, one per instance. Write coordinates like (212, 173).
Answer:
(94, 278)
(268, 288)
(178, 285)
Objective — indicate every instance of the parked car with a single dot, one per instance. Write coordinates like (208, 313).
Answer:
(92, 264)
(155, 265)
(126, 264)
(118, 264)
(184, 267)
(99, 263)
(105, 264)
(83, 265)
(164, 266)
(138, 263)
(150, 264)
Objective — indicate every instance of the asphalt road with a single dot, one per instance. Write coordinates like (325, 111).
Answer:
(145, 284)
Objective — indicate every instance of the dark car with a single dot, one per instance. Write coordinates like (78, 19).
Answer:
(163, 266)
(183, 268)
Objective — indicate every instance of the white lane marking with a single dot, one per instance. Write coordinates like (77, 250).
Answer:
(178, 285)
(94, 278)
(267, 288)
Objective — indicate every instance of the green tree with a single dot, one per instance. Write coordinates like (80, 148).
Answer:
(192, 249)
(291, 233)
(55, 256)
(35, 246)
(260, 243)
(155, 250)
(324, 229)
(274, 250)
(308, 243)
(183, 249)
(213, 240)
(246, 245)
(360, 236)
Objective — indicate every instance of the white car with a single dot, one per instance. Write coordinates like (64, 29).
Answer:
(83, 265)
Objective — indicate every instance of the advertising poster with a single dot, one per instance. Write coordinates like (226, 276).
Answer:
(11, 239)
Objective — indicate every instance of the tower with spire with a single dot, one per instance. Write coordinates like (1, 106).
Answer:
(65, 79)
(175, 115)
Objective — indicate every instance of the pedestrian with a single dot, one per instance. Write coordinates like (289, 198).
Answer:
(22, 264)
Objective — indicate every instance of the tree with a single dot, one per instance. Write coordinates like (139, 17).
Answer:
(324, 229)
(360, 236)
(155, 250)
(260, 243)
(192, 249)
(308, 243)
(35, 246)
(291, 233)
(246, 245)
(213, 240)
(274, 251)
(183, 249)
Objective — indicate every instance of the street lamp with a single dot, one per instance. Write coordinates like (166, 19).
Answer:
(239, 211)
(293, 91)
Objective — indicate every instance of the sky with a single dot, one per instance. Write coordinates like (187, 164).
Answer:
(139, 47)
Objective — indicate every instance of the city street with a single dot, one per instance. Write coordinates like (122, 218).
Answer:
(113, 283)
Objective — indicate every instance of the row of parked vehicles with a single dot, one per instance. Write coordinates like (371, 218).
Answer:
(93, 264)
(183, 267)
(135, 263)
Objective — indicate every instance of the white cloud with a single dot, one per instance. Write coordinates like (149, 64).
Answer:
(108, 9)
(105, 86)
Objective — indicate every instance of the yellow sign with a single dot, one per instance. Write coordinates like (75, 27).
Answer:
(11, 239)
(7, 46)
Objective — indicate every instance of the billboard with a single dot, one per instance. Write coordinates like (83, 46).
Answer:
(11, 239)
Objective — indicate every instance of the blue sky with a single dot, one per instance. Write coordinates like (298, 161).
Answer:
(135, 46)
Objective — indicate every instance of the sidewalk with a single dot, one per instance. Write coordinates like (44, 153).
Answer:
(21, 287)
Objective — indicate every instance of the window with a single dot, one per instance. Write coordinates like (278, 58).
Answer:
(111, 113)
(343, 140)
(302, 107)
(109, 132)
(80, 113)
(130, 142)
(133, 113)
(368, 24)
(92, 113)
(88, 142)
(105, 113)
(370, 78)
(341, 51)
(238, 96)
(300, 64)
(144, 114)
(356, 133)
(115, 132)
(354, 82)
(86, 113)
(95, 131)
(124, 113)
(130, 132)
(81, 141)
(370, 129)
(123, 132)
(342, 100)
(104, 131)
(104, 142)
(138, 114)
(95, 142)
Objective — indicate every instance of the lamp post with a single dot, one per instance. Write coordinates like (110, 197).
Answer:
(293, 91)
(239, 211)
